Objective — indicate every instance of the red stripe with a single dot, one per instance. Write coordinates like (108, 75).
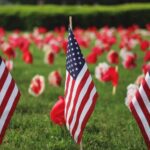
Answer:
(7, 96)
(143, 107)
(82, 83)
(3, 78)
(84, 100)
(139, 122)
(146, 89)
(87, 117)
(67, 83)
(9, 117)
(70, 97)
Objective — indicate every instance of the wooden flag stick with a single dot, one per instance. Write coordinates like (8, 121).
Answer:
(116, 68)
(81, 146)
(70, 22)
(114, 90)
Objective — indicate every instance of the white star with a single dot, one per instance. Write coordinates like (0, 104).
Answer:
(78, 53)
(75, 64)
(79, 58)
(74, 58)
(72, 49)
(76, 43)
(71, 44)
(77, 48)
(74, 75)
(80, 62)
(76, 68)
(73, 54)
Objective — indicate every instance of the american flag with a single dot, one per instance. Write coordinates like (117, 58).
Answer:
(9, 96)
(140, 108)
(80, 92)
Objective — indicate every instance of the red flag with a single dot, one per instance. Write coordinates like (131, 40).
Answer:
(80, 92)
(140, 108)
(9, 96)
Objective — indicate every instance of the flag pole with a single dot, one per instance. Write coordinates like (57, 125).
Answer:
(70, 22)
(81, 146)
(114, 90)
(114, 87)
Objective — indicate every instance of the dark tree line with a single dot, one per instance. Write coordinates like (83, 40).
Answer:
(103, 2)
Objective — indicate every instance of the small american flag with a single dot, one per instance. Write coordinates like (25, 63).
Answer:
(140, 108)
(9, 96)
(80, 92)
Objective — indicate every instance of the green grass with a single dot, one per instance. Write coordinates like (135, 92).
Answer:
(111, 126)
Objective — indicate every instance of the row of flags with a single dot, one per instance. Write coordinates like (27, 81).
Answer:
(80, 96)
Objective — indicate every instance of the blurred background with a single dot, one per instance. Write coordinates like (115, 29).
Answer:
(25, 15)
(39, 2)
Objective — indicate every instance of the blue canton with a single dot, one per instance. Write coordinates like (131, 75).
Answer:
(74, 59)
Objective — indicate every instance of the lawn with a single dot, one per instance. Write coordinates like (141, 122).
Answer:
(111, 126)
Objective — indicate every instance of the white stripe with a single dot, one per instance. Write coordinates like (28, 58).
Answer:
(68, 93)
(2, 68)
(76, 85)
(80, 98)
(145, 98)
(141, 116)
(8, 107)
(147, 78)
(84, 112)
(5, 87)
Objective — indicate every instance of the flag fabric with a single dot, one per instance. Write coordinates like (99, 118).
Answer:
(140, 108)
(9, 96)
(80, 92)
